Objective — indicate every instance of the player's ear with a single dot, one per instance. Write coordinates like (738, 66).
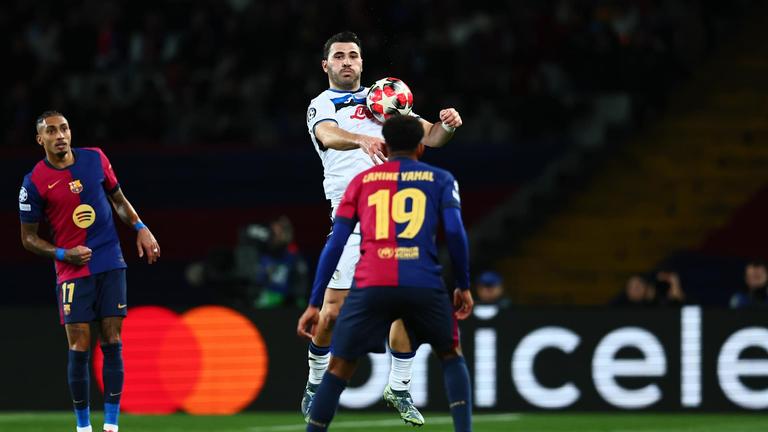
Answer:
(420, 150)
(324, 64)
(39, 139)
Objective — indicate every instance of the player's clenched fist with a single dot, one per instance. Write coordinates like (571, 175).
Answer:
(450, 117)
(462, 303)
(78, 255)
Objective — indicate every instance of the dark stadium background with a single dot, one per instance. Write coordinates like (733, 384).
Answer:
(602, 138)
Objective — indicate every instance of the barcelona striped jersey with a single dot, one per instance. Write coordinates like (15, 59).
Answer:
(399, 206)
(74, 202)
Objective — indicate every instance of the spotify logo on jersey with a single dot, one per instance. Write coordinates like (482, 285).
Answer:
(208, 360)
(84, 216)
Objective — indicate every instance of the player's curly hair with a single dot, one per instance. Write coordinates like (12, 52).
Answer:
(40, 122)
(402, 133)
(345, 36)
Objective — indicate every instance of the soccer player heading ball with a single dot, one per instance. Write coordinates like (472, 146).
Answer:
(348, 140)
(72, 189)
(398, 206)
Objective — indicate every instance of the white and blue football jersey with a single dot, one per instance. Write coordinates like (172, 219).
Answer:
(348, 110)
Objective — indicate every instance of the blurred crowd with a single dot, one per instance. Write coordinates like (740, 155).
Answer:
(242, 72)
(264, 270)
(664, 288)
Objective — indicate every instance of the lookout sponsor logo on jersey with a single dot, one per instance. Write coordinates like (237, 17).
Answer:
(361, 113)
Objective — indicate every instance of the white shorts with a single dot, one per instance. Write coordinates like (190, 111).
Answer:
(345, 270)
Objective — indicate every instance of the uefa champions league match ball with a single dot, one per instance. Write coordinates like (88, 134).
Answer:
(388, 97)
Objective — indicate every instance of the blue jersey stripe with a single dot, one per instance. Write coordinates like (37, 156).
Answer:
(348, 99)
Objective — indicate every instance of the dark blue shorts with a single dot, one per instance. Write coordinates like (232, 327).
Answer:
(364, 321)
(92, 297)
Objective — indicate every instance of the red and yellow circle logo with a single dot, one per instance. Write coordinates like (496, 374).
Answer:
(209, 360)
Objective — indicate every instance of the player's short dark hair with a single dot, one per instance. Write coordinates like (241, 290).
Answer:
(41, 118)
(402, 133)
(345, 36)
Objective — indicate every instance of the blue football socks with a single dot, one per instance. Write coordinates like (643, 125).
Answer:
(78, 377)
(457, 386)
(113, 375)
(325, 403)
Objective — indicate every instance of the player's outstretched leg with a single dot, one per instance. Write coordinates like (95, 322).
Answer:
(320, 346)
(457, 387)
(397, 393)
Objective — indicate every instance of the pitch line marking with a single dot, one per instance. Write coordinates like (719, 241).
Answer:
(445, 420)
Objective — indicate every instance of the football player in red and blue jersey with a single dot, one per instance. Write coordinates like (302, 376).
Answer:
(399, 206)
(72, 190)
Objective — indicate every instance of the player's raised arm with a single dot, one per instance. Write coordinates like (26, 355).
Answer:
(437, 134)
(332, 136)
(145, 241)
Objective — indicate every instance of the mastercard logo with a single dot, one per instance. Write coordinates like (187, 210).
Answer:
(208, 360)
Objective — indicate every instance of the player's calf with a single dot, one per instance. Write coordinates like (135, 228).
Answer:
(457, 387)
(79, 385)
(326, 402)
(113, 375)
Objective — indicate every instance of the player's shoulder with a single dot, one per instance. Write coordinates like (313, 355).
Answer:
(441, 175)
(91, 151)
(325, 96)
(363, 176)
(39, 167)
(39, 172)
(334, 96)
(322, 104)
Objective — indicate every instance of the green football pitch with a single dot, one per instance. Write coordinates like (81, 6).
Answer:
(384, 422)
